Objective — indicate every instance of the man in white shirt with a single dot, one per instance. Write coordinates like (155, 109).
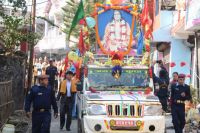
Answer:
(66, 102)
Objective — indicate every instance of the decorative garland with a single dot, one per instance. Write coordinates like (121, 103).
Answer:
(108, 7)
(125, 8)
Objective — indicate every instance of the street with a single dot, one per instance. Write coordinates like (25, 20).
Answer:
(55, 128)
(122, 63)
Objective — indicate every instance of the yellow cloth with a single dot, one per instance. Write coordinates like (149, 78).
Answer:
(35, 71)
(63, 86)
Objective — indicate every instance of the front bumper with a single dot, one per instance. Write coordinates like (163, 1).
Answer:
(148, 122)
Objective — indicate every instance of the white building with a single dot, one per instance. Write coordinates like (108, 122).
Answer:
(53, 42)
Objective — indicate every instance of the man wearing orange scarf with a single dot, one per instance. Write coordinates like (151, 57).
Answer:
(67, 91)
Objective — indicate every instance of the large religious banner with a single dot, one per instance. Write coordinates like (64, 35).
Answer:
(116, 29)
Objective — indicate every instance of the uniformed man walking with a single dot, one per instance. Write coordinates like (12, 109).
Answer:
(180, 92)
(51, 71)
(42, 97)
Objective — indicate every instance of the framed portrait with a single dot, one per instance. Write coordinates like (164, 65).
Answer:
(116, 29)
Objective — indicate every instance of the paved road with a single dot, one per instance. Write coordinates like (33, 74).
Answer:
(55, 126)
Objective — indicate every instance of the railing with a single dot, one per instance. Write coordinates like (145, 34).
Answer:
(6, 101)
(104, 58)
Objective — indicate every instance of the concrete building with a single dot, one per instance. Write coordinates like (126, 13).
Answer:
(53, 44)
(186, 27)
(170, 32)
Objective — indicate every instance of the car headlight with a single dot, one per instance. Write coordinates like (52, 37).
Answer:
(153, 110)
(96, 109)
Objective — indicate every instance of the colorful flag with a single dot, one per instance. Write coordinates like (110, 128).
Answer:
(78, 16)
(146, 23)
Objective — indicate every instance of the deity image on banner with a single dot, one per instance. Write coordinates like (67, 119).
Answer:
(114, 30)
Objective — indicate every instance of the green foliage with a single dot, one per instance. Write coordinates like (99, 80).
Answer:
(69, 13)
(11, 36)
(13, 33)
(16, 4)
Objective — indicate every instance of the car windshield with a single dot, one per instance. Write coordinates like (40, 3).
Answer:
(131, 79)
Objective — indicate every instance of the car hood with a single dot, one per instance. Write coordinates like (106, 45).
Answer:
(117, 96)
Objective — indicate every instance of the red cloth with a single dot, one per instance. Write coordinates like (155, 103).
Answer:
(174, 81)
(181, 76)
(66, 62)
(81, 44)
(145, 15)
(93, 90)
(82, 22)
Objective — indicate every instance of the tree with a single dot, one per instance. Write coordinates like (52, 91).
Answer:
(13, 31)
(12, 34)
(18, 5)
(69, 13)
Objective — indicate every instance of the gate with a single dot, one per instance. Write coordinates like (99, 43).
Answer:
(6, 101)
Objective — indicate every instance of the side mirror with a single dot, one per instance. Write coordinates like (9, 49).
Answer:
(79, 86)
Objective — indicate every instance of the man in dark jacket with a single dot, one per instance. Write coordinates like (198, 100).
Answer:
(180, 92)
(162, 88)
(42, 97)
(51, 71)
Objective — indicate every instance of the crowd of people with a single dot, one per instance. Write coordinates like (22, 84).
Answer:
(55, 76)
(40, 68)
(173, 93)
(53, 81)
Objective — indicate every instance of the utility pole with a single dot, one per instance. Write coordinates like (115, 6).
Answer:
(197, 63)
(30, 69)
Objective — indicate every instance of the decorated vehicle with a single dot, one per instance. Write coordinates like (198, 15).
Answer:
(116, 91)
(110, 105)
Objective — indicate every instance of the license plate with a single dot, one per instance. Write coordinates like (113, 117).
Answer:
(122, 123)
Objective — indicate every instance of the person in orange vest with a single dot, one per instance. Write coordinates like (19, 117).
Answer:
(67, 91)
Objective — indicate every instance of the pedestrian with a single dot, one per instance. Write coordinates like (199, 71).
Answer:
(160, 66)
(161, 83)
(62, 70)
(162, 88)
(173, 81)
(35, 74)
(67, 91)
(180, 92)
(175, 78)
(51, 71)
(39, 67)
(42, 98)
(45, 63)
(43, 71)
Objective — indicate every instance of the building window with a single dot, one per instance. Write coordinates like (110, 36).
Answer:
(168, 5)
